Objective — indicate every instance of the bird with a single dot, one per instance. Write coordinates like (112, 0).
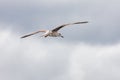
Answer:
(53, 32)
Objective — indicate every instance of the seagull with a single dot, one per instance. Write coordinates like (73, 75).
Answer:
(54, 32)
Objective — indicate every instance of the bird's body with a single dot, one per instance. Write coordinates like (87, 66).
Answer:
(53, 32)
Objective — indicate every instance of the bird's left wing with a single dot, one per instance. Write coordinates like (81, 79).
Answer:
(33, 33)
(61, 26)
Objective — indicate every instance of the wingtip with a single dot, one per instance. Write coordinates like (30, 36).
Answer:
(81, 22)
(24, 36)
(85, 22)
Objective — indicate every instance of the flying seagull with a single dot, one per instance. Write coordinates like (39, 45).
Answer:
(53, 32)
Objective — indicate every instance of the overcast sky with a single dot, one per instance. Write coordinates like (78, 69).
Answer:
(87, 51)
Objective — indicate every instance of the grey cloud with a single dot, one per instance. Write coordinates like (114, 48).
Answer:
(103, 19)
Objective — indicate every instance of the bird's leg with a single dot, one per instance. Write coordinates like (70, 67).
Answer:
(45, 36)
(62, 36)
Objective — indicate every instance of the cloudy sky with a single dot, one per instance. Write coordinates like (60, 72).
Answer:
(88, 51)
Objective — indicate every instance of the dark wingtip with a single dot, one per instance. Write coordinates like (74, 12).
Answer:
(24, 36)
(81, 22)
(85, 22)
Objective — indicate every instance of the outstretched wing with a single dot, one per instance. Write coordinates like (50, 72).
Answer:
(59, 27)
(33, 33)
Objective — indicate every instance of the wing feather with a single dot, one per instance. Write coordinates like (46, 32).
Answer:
(33, 33)
(61, 26)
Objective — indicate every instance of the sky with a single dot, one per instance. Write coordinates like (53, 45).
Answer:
(87, 51)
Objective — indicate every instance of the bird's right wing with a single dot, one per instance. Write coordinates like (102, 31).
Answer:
(61, 26)
(33, 33)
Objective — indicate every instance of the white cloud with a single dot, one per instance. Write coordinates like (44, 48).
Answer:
(35, 59)
(95, 62)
